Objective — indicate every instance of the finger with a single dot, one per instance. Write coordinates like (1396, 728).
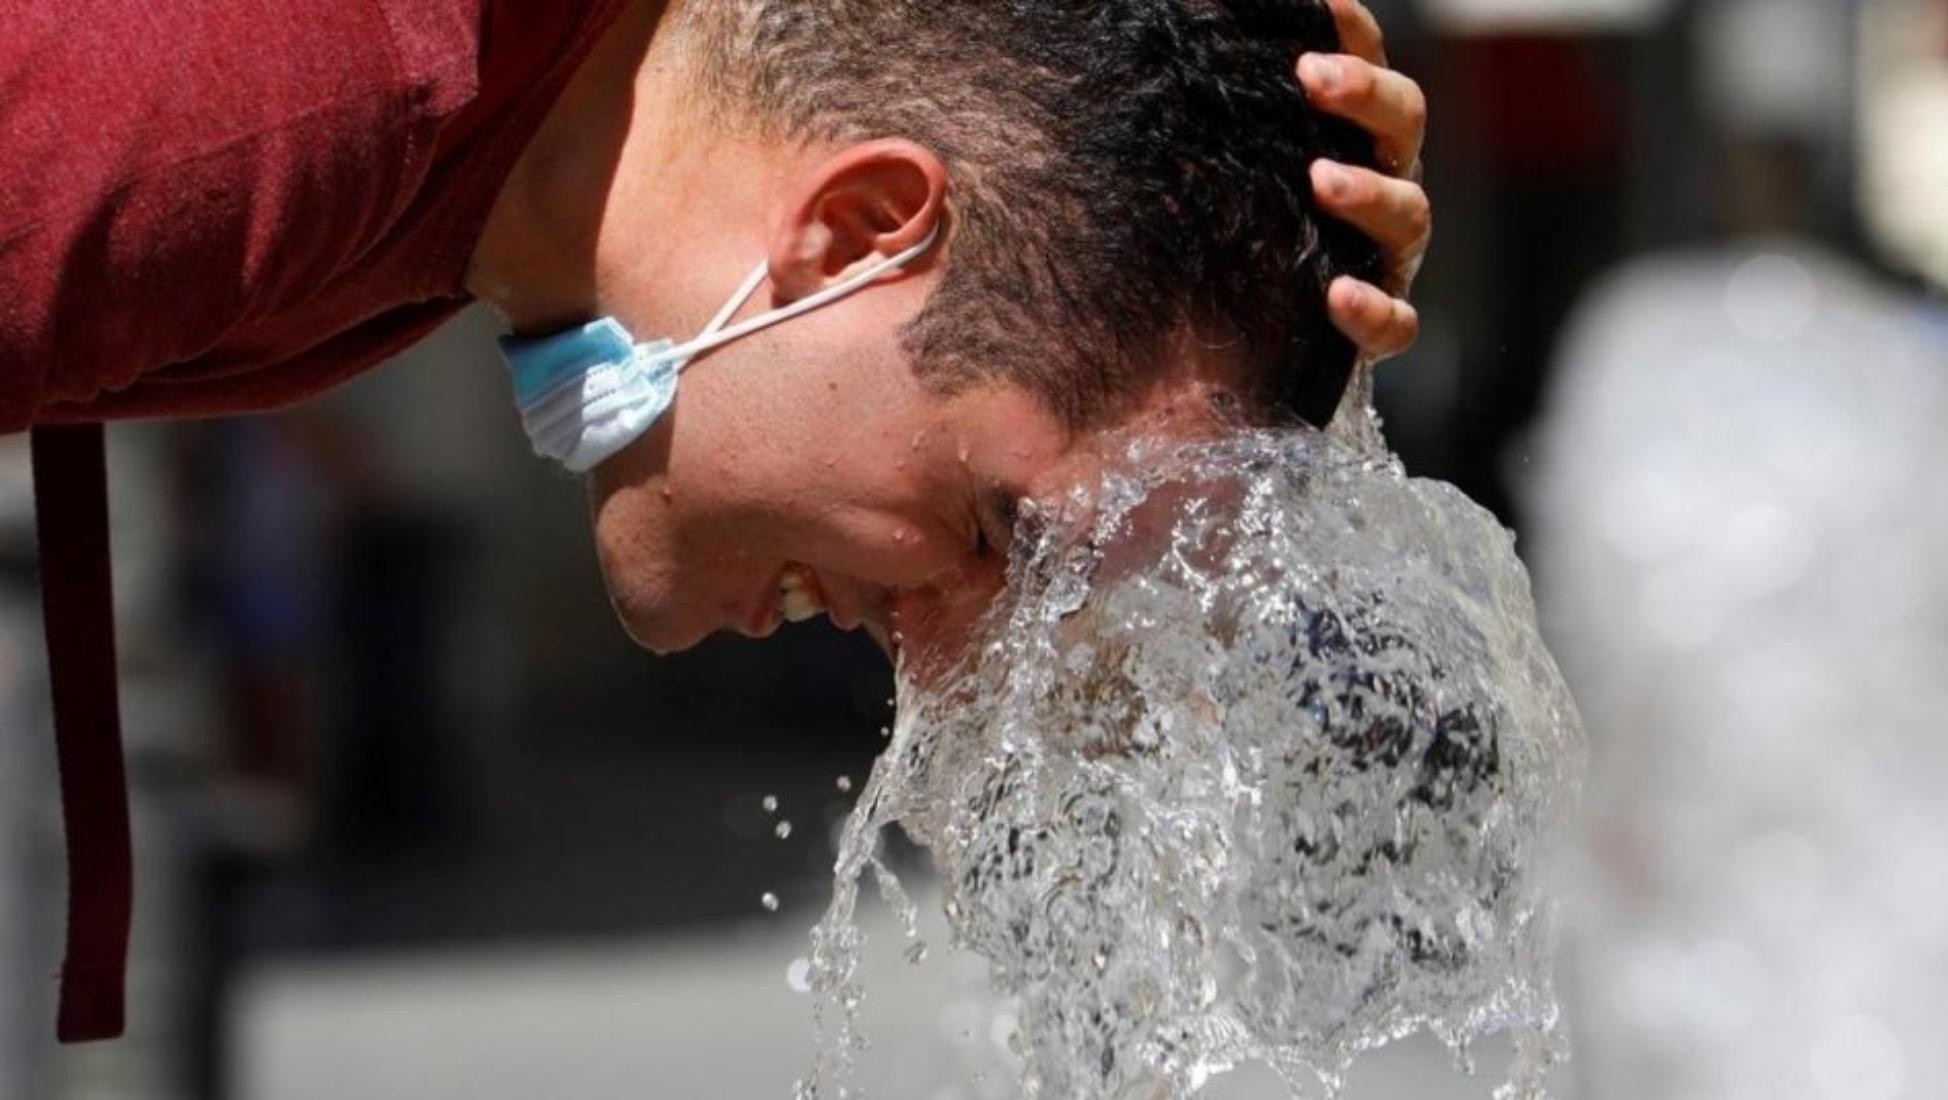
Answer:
(1386, 104)
(1395, 213)
(1359, 31)
(1381, 327)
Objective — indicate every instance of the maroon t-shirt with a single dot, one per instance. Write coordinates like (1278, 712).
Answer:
(215, 206)
(223, 206)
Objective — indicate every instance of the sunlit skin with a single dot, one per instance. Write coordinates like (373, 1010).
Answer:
(814, 444)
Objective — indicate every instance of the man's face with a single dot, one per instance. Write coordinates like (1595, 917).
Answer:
(884, 509)
(806, 468)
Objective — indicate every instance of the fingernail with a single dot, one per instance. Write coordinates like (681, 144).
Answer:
(1356, 298)
(1331, 180)
(1324, 72)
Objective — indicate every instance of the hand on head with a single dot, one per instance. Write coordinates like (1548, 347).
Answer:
(1389, 204)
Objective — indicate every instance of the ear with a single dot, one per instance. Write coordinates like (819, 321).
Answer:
(866, 202)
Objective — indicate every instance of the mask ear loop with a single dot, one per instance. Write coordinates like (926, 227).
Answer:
(715, 335)
(751, 284)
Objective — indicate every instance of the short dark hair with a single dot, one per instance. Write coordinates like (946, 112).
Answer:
(1123, 172)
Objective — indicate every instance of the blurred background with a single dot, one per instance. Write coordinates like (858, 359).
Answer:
(414, 819)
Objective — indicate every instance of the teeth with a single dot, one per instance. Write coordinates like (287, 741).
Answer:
(797, 599)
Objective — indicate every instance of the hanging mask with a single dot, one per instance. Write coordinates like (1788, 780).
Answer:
(588, 392)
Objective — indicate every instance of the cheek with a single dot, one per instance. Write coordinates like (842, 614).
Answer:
(867, 515)
(888, 552)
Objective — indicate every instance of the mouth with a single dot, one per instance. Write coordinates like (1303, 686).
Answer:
(799, 594)
(763, 617)
(792, 596)
(801, 598)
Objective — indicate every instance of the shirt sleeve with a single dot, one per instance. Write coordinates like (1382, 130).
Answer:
(173, 171)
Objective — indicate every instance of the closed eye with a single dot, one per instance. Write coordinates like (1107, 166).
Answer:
(1000, 514)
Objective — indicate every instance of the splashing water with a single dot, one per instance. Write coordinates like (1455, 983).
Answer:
(1255, 759)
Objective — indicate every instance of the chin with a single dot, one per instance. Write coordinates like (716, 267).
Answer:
(655, 628)
(642, 589)
(648, 612)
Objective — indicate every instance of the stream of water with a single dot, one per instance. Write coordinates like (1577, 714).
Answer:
(1258, 758)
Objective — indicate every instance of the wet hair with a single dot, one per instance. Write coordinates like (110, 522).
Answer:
(1125, 174)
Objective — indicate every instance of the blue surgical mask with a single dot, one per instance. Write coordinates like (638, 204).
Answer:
(588, 392)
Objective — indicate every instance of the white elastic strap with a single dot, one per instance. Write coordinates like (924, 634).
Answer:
(751, 284)
(716, 336)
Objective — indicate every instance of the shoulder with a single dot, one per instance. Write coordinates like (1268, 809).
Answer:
(174, 168)
(109, 92)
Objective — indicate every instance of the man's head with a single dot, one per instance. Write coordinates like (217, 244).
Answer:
(1127, 232)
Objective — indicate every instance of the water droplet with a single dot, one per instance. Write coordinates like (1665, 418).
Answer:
(783, 830)
(770, 803)
(844, 783)
(916, 952)
(770, 902)
(799, 975)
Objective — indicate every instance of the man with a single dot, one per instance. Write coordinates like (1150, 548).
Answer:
(977, 235)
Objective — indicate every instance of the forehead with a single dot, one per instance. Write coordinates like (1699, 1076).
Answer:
(1012, 438)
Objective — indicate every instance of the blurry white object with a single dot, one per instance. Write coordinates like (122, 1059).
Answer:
(1777, 68)
(1904, 130)
(1486, 16)
(1741, 550)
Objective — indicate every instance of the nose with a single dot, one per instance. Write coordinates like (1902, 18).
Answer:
(933, 624)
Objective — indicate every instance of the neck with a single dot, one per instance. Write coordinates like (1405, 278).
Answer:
(536, 261)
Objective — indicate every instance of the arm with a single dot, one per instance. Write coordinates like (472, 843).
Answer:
(181, 178)
(1390, 206)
